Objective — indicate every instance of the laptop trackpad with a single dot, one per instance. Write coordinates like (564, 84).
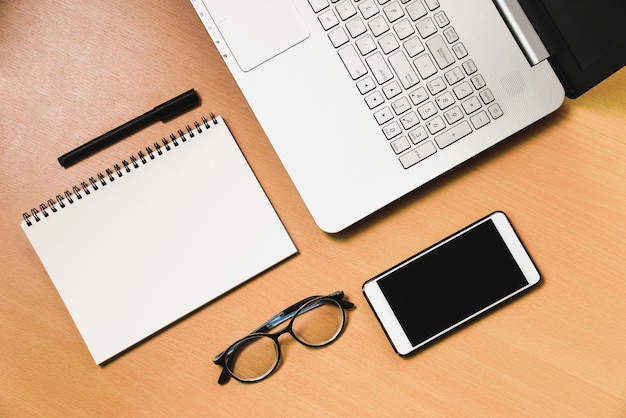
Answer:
(256, 31)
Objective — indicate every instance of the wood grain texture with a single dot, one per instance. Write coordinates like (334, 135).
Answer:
(71, 70)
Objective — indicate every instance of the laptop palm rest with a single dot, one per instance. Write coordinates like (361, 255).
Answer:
(256, 31)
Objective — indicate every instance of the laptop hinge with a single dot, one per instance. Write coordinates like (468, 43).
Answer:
(523, 31)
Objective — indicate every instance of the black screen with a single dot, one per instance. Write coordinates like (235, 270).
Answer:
(456, 280)
(592, 29)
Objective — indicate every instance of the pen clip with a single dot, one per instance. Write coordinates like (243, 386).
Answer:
(177, 105)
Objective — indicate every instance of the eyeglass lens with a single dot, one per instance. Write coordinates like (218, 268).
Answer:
(318, 323)
(254, 358)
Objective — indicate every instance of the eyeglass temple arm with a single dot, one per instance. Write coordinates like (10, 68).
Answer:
(224, 376)
(290, 312)
(283, 316)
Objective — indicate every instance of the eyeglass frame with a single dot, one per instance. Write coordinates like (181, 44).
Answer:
(288, 314)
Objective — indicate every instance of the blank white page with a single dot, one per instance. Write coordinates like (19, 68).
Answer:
(159, 242)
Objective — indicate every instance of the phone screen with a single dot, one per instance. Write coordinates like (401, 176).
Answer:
(452, 282)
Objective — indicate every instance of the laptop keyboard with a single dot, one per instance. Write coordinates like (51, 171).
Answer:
(413, 71)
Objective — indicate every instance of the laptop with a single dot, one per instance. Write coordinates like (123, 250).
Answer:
(366, 100)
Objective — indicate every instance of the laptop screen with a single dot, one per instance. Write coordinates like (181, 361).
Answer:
(575, 20)
(586, 38)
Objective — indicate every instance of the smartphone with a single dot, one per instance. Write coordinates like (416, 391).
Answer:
(451, 283)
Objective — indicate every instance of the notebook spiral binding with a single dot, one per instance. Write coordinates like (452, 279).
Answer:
(77, 192)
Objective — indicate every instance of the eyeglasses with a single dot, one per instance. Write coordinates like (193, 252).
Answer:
(314, 322)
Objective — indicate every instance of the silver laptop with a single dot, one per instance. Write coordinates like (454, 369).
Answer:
(366, 100)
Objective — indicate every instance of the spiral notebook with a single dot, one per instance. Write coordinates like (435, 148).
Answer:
(152, 239)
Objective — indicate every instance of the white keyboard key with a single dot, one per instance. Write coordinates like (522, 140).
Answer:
(383, 116)
(478, 81)
(436, 86)
(454, 75)
(440, 51)
(462, 90)
(414, 47)
(400, 145)
(487, 96)
(427, 110)
(442, 20)
(418, 96)
(469, 67)
(393, 11)
(374, 100)
(459, 50)
(417, 154)
(338, 37)
(380, 69)
(388, 43)
(366, 44)
(495, 111)
(328, 19)
(378, 25)
(471, 105)
(453, 134)
(418, 135)
(392, 130)
(453, 115)
(368, 8)
(401, 105)
(403, 29)
(409, 120)
(356, 27)
(345, 9)
(403, 69)
(451, 35)
(436, 125)
(480, 119)
(425, 66)
(444, 100)
(365, 85)
(426, 27)
(392, 89)
(432, 4)
(353, 63)
(416, 10)
(318, 5)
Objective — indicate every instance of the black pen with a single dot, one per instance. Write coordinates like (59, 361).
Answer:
(163, 112)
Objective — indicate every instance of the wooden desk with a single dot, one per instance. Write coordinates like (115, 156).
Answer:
(70, 70)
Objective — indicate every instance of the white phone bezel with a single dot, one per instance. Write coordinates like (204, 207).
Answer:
(385, 313)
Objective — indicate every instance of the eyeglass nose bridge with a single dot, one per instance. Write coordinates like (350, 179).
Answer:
(279, 351)
(275, 337)
(289, 330)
